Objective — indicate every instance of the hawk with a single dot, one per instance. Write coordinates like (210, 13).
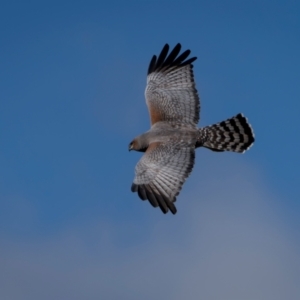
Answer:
(169, 146)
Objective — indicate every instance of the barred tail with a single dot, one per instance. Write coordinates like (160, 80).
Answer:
(234, 134)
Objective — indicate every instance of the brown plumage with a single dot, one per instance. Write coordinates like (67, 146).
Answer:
(169, 145)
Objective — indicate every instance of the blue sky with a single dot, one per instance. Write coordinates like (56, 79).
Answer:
(72, 80)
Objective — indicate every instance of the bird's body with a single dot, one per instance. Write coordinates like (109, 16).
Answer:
(170, 144)
(163, 132)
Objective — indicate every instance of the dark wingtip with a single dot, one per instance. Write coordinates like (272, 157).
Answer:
(145, 192)
(134, 187)
(142, 192)
(151, 196)
(165, 61)
(173, 210)
(162, 56)
(189, 61)
(152, 65)
(172, 207)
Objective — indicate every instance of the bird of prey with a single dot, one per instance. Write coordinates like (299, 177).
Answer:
(169, 146)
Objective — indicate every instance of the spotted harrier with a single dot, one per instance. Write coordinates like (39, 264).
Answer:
(169, 146)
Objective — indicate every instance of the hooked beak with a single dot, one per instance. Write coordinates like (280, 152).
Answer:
(130, 147)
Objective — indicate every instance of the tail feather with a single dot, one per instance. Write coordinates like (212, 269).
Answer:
(234, 134)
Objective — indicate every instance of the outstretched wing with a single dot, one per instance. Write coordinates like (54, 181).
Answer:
(171, 94)
(161, 172)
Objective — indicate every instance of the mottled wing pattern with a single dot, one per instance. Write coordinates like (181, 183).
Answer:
(162, 171)
(171, 94)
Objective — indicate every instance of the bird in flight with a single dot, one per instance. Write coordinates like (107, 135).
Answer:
(169, 146)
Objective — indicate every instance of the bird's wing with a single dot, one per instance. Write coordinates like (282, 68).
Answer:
(170, 93)
(161, 172)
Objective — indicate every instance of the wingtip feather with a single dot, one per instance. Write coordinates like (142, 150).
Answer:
(164, 60)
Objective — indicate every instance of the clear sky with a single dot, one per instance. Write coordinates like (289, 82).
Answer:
(72, 80)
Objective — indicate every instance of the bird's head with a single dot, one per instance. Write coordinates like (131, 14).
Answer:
(131, 146)
(137, 146)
